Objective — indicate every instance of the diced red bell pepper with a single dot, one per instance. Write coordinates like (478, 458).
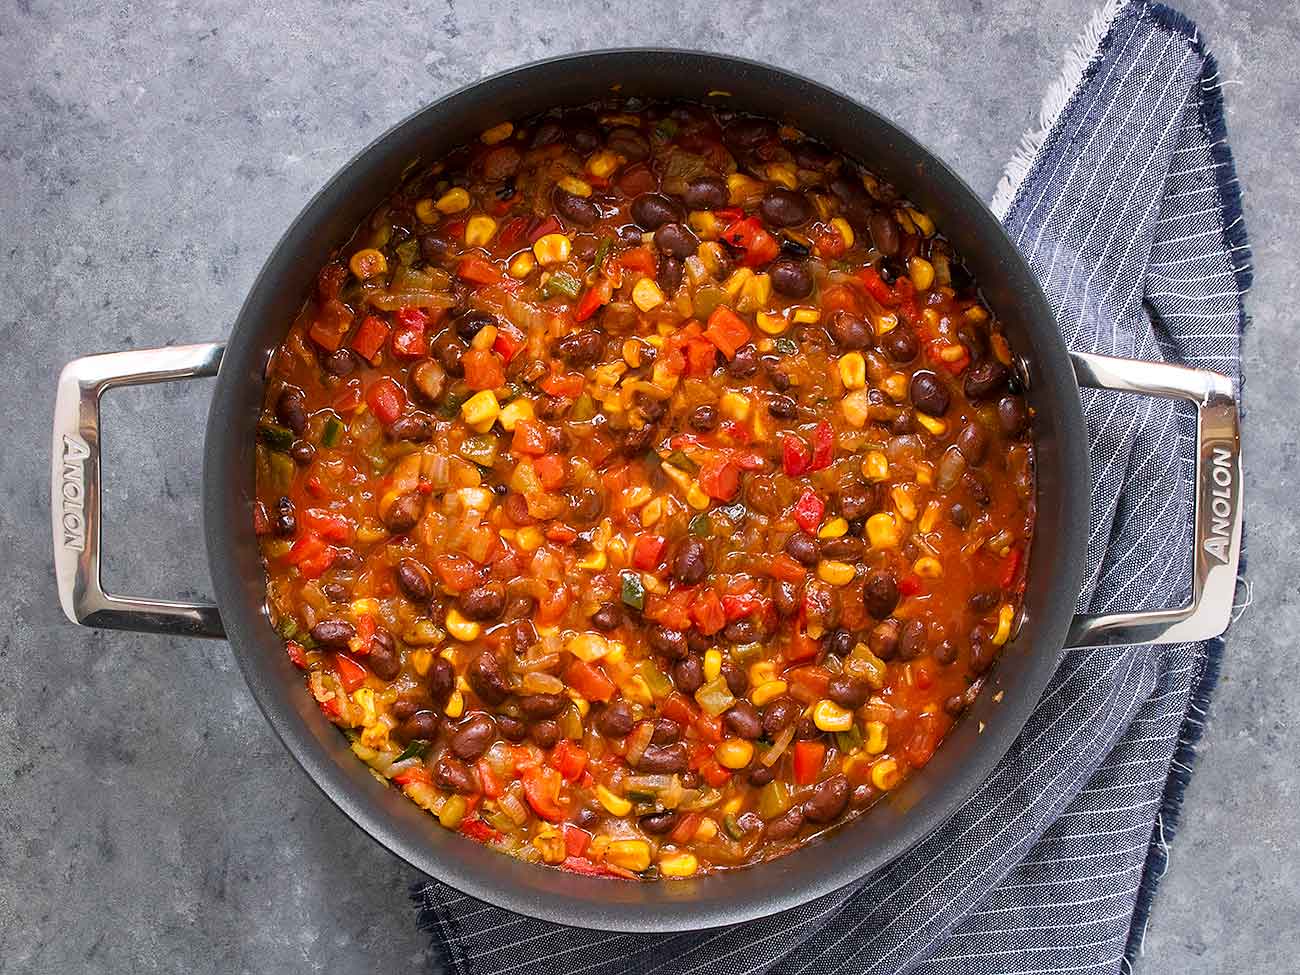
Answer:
(514, 232)
(508, 342)
(679, 709)
(310, 554)
(719, 477)
(701, 355)
(409, 343)
(329, 525)
(576, 840)
(808, 758)
(570, 759)
(727, 331)
(414, 773)
(552, 605)
(839, 297)
(492, 787)
(672, 610)
(686, 826)
(297, 654)
(386, 399)
(565, 386)
(909, 585)
(331, 325)
(795, 455)
(529, 438)
(365, 633)
(593, 299)
(1009, 566)
(561, 534)
(748, 460)
(876, 287)
(551, 471)
(740, 605)
(729, 215)
(809, 510)
(925, 738)
(483, 370)
(477, 829)
(801, 647)
(541, 789)
(548, 226)
(476, 270)
(707, 613)
(584, 866)
(351, 674)
(709, 727)
(638, 259)
(787, 569)
(823, 451)
(457, 572)
(589, 681)
(370, 338)
(828, 243)
(714, 774)
(759, 246)
(648, 552)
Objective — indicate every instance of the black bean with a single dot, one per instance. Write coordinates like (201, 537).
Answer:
(811, 155)
(668, 642)
(429, 380)
(883, 640)
(666, 732)
(651, 407)
(336, 592)
(900, 344)
(451, 773)
(487, 680)
(580, 349)
(703, 418)
(737, 680)
(441, 679)
(538, 706)
(383, 658)
(690, 563)
(664, 759)
(880, 593)
(469, 323)
(793, 248)
(946, 652)
(760, 775)
(928, 393)
(982, 650)
(635, 441)
(779, 715)
(473, 736)
(286, 520)
(911, 641)
(483, 602)
(688, 674)
(450, 353)
(838, 641)
(785, 208)
(791, 278)
(676, 239)
(786, 825)
(575, 209)
(803, 548)
(1012, 415)
(512, 729)
(846, 548)
(342, 362)
(982, 602)
(670, 273)
(545, 733)
(628, 143)
(414, 427)
(744, 363)
(850, 331)
(607, 617)
(657, 824)
(973, 442)
(334, 634)
(422, 725)
(828, 800)
(615, 719)
(985, 380)
(291, 409)
(302, 452)
(855, 201)
(848, 692)
(741, 631)
(959, 514)
(743, 720)
(547, 134)
(747, 132)
(652, 210)
(413, 579)
(707, 193)
(955, 705)
(884, 232)
(857, 501)
(782, 407)
(787, 599)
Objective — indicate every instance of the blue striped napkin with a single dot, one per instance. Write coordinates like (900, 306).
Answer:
(1125, 202)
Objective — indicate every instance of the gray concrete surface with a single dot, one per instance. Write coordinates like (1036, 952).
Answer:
(149, 158)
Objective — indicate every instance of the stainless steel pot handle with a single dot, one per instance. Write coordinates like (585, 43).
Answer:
(1217, 530)
(75, 490)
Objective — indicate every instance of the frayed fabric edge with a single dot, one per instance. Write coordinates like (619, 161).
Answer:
(1079, 57)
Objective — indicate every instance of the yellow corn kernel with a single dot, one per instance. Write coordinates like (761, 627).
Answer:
(762, 671)
(421, 660)
(931, 319)
(368, 263)
(617, 652)
(552, 249)
(877, 737)
(886, 323)
(425, 211)
(632, 352)
(902, 495)
(758, 289)
(712, 664)
(587, 647)
(921, 272)
(481, 410)
(737, 281)
(603, 163)
(807, 316)
(952, 352)
(928, 567)
(452, 812)
(783, 173)
(923, 223)
(596, 849)
(735, 406)
(366, 606)
(455, 705)
(516, 410)
(834, 573)
(1001, 351)
(638, 691)
(646, 295)
(767, 692)
(582, 704)
(652, 512)
(977, 313)
(875, 466)
(455, 200)
(521, 265)
(595, 561)
(932, 423)
(928, 517)
(479, 231)
(882, 530)
(1005, 615)
(705, 224)
(734, 753)
(677, 865)
(834, 528)
(707, 829)
(498, 133)
(462, 629)
(616, 804)
(629, 854)
(771, 324)
(853, 370)
(550, 845)
(484, 338)
(895, 386)
(634, 497)
(743, 188)
(885, 774)
(845, 230)
(829, 716)
(529, 539)
(856, 407)
(571, 184)
(924, 473)
(696, 497)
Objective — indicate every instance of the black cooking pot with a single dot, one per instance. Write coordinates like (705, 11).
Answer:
(889, 828)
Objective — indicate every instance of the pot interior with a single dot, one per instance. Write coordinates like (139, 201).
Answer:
(893, 825)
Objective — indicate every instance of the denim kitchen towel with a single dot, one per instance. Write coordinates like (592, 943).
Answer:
(1125, 202)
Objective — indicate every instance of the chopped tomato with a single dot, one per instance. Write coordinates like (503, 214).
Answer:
(570, 759)
(331, 325)
(514, 231)
(508, 342)
(823, 447)
(457, 572)
(741, 605)
(477, 829)
(584, 866)
(349, 397)
(787, 569)
(876, 287)
(648, 552)
(551, 471)
(593, 299)
(311, 555)
(828, 243)
(351, 674)
(370, 338)
(710, 727)
(365, 633)
(679, 709)
(552, 605)
(548, 226)
(637, 179)
(727, 331)
(530, 438)
(415, 773)
(714, 774)
(719, 477)
(707, 613)
(795, 455)
(483, 369)
(701, 355)
(492, 787)
(640, 259)
(808, 758)
(925, 738)
(541, 789)
(759, 246)
(672, 610)
(814, 680)
(297, 654)
(409, 342)
(686, 827)
(589, 681)
(328, 524)
(1009, 566)
(386, 399)
(809, 510)
(476, 270)
(801, 647)
(576, 840)
(839, 297)
(909, 585)
(567, 386)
